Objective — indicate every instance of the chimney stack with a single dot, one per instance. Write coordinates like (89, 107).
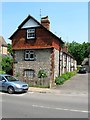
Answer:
(65, 49)
(45, 22)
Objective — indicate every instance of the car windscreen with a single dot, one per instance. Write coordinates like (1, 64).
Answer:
(10, 78)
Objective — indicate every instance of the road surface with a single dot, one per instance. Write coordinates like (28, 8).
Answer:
(70, 101)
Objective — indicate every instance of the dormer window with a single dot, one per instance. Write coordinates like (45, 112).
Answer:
(31, 33)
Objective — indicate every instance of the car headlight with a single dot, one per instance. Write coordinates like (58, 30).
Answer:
(18, 86)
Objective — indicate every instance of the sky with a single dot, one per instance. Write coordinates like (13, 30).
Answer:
(68, 20)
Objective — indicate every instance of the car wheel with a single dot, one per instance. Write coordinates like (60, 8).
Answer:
(10, 90)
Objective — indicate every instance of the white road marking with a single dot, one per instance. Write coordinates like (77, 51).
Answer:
(31, 92)
(72, 110)
(21, 94)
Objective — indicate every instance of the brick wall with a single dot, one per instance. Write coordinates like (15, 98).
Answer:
(43, 40)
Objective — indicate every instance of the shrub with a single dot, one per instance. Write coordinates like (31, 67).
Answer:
(42, 74)
(59, 80)
(2, 72)
(66, 76)
(6, 64)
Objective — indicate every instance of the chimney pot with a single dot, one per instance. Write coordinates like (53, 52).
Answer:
(45, 22)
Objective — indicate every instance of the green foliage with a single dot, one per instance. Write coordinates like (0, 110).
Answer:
(59, 80)
(10, 49)
(2, 72)
(79, 51)
(6, 64)
(78, 67)
(42, 74)
(66, 76)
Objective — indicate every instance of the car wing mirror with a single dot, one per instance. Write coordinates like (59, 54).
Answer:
(3, 80)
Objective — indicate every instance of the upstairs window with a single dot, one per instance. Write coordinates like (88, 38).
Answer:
(29, 55)
(31, 33)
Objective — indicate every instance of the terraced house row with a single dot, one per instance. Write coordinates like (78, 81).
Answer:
(36, 48)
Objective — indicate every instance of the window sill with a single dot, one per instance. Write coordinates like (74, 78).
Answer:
(29, 60)
(31, 38)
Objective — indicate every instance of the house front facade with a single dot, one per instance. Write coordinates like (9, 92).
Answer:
(36, 48)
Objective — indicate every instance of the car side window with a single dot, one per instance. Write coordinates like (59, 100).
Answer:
(1, 78)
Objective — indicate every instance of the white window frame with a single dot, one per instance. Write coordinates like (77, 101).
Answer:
(29, 73)
(30, 32)
(28, 54)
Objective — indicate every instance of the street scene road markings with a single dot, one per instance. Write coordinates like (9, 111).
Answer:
(72, 110)
(22, 94)
(30, 92)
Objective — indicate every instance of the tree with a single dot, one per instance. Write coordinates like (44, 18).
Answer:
(10, 49)
(78, 51)
(6, 64)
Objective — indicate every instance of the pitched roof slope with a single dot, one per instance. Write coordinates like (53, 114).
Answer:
(29, 16)
(2, 42)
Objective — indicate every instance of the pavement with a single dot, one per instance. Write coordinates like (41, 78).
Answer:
(41, 90)
(77, 85)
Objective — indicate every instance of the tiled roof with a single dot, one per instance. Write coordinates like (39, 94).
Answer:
(19, 27)
(2, 42)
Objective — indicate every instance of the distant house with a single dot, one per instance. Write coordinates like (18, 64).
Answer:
(67, 62)
(3, 46)
(36, 48)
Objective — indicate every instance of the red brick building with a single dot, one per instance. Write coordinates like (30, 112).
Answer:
(36, 48)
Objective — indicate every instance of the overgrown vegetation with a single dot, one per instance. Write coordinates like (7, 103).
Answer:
(66, 76)
(6, 62)
(10, 51)
(2, 72)
(6, 65)
(42, 74)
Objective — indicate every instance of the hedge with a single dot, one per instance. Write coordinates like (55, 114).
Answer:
(66, 76)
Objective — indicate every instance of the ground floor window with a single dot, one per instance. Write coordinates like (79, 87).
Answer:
(29, 73)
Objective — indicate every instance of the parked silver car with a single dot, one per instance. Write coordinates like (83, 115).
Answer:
(11, 84)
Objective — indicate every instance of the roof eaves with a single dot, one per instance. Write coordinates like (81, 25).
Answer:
(29, 16)
(53, 34)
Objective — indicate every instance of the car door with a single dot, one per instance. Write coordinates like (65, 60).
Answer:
(3, 84)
